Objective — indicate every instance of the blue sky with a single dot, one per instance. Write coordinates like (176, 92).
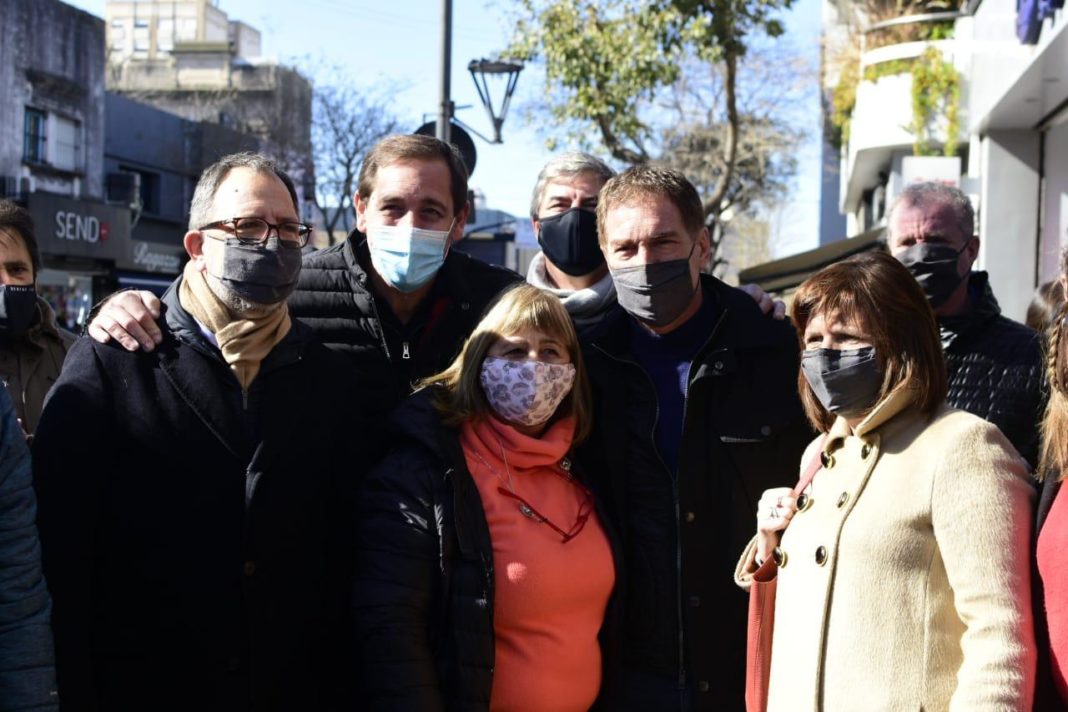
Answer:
(396, 46)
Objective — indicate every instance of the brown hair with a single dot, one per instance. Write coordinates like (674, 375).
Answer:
(408, 147)
(644, 182)
(1046, 302)
(19, 221)
(523, 306)
(878, 293)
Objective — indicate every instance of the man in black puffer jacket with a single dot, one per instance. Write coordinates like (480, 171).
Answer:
(995, 365)
(393, 296)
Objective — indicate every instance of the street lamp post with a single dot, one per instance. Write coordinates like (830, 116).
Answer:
(445, 109)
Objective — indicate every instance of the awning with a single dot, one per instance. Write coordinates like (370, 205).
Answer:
(785, 274)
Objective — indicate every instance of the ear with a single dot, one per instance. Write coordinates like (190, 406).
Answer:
(536, 224)
(971, 251)
(459, 226)
(361, 212)
(704, 245)
(194, 246)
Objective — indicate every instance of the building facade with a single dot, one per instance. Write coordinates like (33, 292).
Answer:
(982, 93)
(52, 125)
(187, 57)
(164, 155)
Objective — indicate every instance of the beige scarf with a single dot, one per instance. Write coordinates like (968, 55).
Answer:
(244, 340)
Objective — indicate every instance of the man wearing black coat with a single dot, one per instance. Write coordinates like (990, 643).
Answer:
(195, 500)
(696, 414)
(995, 365)
(394, 296)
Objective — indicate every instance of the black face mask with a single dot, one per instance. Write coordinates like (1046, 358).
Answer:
(569, 241)
(935, 267)
(261, 274)
(18, 308)
(845, 382)
(658, 292)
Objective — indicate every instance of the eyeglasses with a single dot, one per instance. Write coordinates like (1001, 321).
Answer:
(255, 231)
(528, 511)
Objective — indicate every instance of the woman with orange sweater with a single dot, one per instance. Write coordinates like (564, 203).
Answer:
(485, 570)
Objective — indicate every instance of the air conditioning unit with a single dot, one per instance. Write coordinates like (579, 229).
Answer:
(124, 188)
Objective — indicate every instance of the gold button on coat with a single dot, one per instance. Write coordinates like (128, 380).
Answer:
(827, 460)
(779, 556)
(865, 451)
(803, 502)
(842, 499)
(821, 555)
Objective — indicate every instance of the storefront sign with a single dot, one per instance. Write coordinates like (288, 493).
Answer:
(155, 258)
(79, 228)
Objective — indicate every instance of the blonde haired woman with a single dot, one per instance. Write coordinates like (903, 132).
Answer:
(902, 570)
(1051, 587)
(485, 570)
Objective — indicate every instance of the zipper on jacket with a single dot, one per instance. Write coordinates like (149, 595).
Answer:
(244, 399)
(675, 498)
(405, 352)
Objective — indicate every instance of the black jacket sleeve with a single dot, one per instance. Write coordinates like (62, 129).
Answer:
(397, 583)
(72, 451)
(27, 670)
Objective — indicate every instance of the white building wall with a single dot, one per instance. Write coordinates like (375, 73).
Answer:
(1008, 216)
(1055, 202)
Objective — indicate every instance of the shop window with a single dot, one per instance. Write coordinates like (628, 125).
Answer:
(66, 144)
(34, 144)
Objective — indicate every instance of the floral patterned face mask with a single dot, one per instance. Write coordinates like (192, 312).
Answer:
(525, 392)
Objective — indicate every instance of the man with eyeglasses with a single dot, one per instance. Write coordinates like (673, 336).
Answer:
(194, 541)
(394, 297)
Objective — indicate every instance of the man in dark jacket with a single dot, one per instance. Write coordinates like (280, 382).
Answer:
(400, 302)
(32, 346)
(995, 365)
(697, 413)
(195, 538)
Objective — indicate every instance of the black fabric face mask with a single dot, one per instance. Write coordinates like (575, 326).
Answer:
(658, 292)
(261, 274)
(846, 382)
(18, 308)
(569, 241)
(934, 266)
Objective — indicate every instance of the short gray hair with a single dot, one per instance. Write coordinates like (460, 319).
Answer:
(922, 195)
(200, 210)
(567, 165)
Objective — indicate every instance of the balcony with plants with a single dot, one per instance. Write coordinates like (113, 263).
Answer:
(898, 89)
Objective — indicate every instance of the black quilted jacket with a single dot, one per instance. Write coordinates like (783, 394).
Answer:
(996, 368)
(334, 298)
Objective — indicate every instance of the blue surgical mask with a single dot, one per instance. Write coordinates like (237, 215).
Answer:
(407, 257)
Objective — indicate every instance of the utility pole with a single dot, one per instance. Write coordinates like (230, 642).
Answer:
(445, 104)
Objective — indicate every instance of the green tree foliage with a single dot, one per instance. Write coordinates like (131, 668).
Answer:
(608, 61)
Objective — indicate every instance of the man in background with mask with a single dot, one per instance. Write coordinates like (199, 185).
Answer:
(995, 365)
(697, 413)
(571, 264)
(563, 211)
(393, 296)
(194, 541)
(32, 345)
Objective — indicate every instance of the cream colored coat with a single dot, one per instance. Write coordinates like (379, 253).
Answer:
(922, 600)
